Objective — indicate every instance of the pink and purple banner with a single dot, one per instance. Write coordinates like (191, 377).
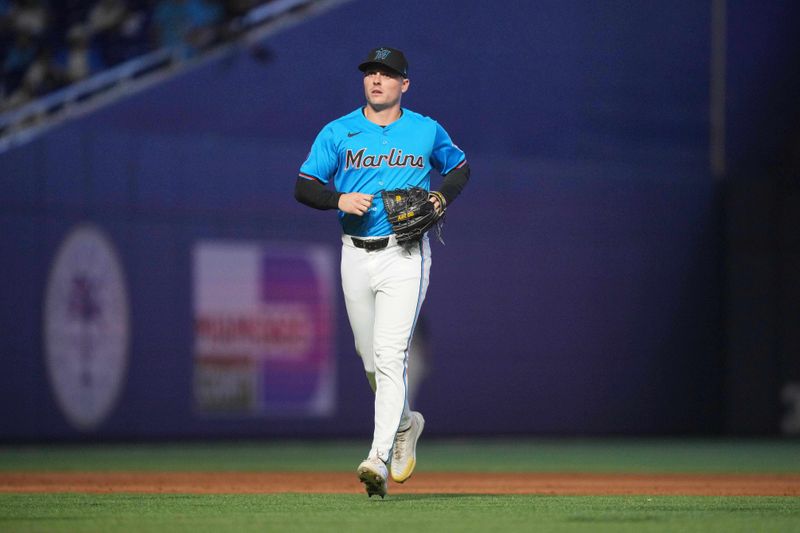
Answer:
(264, 329)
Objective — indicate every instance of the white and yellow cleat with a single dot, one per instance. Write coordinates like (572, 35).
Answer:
(372, 473)
(404, 453)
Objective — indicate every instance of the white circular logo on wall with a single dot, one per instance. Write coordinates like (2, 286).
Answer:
(86, 326)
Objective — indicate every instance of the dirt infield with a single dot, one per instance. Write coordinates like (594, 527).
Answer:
(422, 482)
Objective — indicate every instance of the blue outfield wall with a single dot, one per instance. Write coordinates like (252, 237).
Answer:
(587, 307)
(578, 291)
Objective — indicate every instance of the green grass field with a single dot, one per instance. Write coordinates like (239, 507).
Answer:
(417, 513)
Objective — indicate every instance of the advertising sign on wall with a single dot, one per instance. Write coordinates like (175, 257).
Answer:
(264, 328)
(86, 326)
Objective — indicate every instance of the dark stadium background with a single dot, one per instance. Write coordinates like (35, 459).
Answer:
(600, 275)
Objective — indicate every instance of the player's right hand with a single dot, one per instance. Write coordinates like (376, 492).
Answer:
(355, 203)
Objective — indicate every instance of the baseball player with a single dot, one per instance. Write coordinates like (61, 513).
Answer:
(382, 146)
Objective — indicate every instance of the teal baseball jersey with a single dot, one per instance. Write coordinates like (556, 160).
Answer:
(361, 156)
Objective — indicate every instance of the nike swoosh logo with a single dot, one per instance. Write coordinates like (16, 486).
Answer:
(352, 134)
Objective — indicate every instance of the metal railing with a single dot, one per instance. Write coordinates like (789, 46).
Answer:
(23, 124)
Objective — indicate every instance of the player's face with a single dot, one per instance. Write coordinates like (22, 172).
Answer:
(383, 88)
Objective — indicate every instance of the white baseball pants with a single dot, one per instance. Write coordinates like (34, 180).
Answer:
(383, 293)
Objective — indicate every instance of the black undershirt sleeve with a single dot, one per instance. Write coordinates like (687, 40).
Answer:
(314, 194)
(454, 182)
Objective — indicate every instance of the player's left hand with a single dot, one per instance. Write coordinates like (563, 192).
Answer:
(437, 200)
(412, 212)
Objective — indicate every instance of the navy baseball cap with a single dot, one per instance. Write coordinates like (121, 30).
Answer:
(387, 57)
